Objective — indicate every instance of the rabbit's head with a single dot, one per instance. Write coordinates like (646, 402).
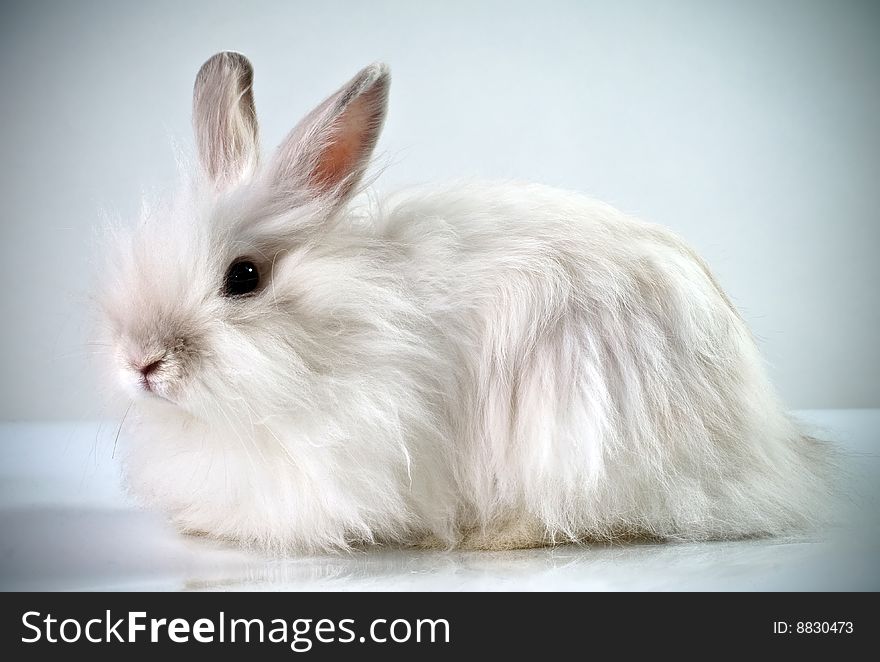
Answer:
(247, 287)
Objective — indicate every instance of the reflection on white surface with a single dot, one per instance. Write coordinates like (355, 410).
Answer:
(67, 525)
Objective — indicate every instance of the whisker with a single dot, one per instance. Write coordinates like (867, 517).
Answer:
(80, 353)
(119, 429)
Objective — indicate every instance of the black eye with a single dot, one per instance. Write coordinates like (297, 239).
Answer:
(241, 278)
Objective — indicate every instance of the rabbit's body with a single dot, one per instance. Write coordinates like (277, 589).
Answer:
(485, 365)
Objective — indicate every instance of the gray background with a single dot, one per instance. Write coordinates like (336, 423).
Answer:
(749, 127)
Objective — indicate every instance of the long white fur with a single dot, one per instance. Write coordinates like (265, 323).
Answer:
(481, 364)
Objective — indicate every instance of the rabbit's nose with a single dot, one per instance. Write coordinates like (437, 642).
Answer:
(150, 368)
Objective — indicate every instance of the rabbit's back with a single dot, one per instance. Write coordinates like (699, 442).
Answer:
(607, 385)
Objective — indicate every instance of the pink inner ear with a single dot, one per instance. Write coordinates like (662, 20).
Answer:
(346, 149)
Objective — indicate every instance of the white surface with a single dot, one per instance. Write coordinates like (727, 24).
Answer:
(749, 127)
(67, 525)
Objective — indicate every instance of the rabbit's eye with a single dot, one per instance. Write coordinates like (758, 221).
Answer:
(241, 278)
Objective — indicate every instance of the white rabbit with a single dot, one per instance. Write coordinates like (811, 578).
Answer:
(480, 365)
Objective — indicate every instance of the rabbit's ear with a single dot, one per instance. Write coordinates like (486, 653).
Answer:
(224, 118)
(329, 150)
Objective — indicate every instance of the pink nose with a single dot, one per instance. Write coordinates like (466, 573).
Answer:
(150, 367)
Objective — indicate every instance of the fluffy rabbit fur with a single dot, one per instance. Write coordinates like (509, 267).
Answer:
(480, 365)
